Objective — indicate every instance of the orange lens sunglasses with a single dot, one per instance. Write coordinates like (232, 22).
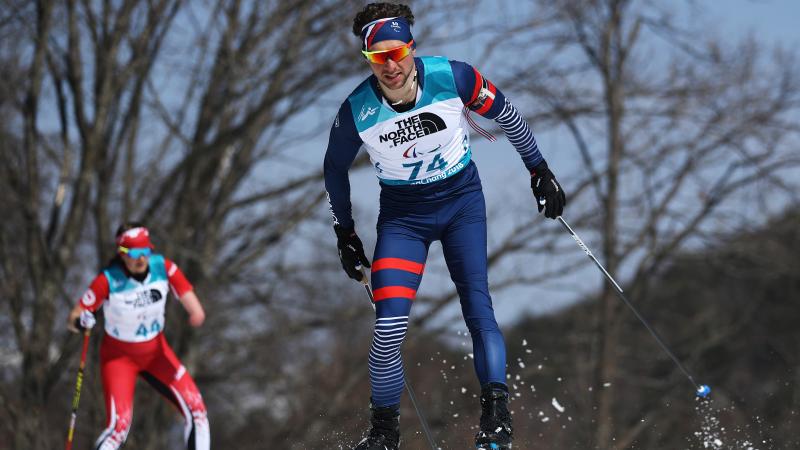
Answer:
(396, 54)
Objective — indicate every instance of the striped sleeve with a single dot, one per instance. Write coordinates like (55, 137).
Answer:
(520, 135)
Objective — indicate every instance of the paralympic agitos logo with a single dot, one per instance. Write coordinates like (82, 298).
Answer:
(414, 127)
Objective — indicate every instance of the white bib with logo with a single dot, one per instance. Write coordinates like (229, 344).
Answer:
(426, 144)
(134, 311)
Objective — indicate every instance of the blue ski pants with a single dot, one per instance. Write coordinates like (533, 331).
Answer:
(405, 232)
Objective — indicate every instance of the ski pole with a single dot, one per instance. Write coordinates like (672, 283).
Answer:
(701, 390)
(425, 429)
(76, 398)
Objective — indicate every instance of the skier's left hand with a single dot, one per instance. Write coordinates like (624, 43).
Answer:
(548, 193)
(197, 318)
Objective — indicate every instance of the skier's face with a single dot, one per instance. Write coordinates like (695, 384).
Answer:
(135, 265)
(392, 74)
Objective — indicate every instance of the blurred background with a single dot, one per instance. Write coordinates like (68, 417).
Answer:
(672, 126)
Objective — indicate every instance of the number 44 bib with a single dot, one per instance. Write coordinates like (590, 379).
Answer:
(134, 311)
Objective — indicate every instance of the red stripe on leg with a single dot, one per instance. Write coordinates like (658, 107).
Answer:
(394, 292)
(399, 264)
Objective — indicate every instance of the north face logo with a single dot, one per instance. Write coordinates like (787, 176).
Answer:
(414, 127)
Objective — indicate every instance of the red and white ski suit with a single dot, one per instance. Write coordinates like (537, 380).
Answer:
(134, 345)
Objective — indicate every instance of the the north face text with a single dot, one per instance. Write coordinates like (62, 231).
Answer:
(413, 128)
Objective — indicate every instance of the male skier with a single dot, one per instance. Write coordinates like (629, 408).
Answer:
(411, 116)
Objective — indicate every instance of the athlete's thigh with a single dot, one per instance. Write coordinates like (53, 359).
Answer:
(397, 268)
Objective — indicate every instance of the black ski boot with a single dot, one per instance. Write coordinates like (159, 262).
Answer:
(385, 431)
(496, 431)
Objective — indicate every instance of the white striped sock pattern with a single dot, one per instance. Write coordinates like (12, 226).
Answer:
(519, 134)
(385, 362)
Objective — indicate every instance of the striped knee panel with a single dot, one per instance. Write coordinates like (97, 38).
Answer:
(385, 362)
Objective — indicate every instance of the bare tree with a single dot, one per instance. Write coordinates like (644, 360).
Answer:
(184, 115)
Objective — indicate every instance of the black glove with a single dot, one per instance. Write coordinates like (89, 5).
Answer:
(548, 193)
(351, 252)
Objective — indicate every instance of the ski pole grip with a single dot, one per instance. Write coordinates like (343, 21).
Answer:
(364, 279)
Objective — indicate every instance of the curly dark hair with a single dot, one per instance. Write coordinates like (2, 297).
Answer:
(375, 11)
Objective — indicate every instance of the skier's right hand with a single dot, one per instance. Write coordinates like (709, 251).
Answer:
(351, 252)
(87, 320)
(80, 319)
